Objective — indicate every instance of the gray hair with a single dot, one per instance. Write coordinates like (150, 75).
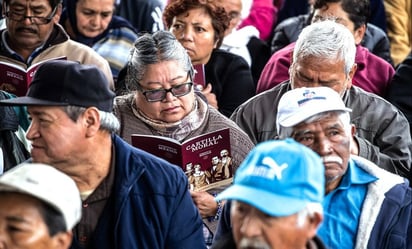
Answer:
(108, 121)
(328, 40)
(151, 49)
(308, 211)
(344, 117)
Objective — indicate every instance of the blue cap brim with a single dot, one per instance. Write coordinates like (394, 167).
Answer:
(267, 202)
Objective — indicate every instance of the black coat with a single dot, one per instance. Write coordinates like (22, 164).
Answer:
(231, 80)
(400, 89)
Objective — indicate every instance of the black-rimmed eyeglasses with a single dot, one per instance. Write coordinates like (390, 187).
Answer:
(39, 20)
(160, 94)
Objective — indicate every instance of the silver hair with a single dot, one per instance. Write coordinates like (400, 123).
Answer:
(108, 121)
(151, 49)
(344, 117)
(326, 40)
(308, 212)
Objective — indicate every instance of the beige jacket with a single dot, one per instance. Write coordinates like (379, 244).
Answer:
(59, 45)
(399, 28)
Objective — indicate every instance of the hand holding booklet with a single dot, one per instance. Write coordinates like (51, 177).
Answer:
(205, 159)
(16, 79)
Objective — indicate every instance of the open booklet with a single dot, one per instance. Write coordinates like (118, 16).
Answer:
(205, 159)
(16, 79)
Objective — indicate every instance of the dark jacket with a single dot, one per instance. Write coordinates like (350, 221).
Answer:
(231, 80)
(400, 89)
(382, 133)
(144, 15)
(375, 39)
(150, 206)
(14, 151)
(260, 54)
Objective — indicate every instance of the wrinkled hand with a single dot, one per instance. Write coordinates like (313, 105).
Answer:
(205, 202)
(211, 97)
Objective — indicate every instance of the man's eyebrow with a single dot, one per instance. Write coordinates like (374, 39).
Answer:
(17, 219)
(301, 132)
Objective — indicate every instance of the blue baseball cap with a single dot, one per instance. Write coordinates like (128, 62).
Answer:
(278, 177)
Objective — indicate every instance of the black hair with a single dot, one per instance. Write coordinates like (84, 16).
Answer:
(358, 10)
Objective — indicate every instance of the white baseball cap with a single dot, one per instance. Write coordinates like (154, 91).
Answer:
(47, 184)
(300, 104)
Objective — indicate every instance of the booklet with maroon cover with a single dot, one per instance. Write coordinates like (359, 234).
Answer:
(16, 79)
(206, 159)
(199, 79)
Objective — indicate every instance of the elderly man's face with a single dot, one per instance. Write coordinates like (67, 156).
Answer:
(56, 139)
(22, 225)
(255, 229)
(25, 35)
(315, 72)
(327, 137)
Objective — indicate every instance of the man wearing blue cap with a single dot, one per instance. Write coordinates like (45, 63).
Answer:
(276, 197)
(131, 199)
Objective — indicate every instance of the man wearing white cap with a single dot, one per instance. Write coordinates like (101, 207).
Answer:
(324, 55)
(39, 206)
(276, 198)
(365, 206)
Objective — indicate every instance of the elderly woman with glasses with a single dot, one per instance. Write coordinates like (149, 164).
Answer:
(163, 102)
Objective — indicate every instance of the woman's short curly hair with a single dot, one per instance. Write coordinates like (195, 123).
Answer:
(218, 15)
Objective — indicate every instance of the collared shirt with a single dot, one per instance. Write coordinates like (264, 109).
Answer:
(93, 205)
(342, 208)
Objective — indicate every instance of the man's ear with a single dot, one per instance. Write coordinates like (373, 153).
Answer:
(359, 34)
(314, 222)
(351, 75)
(353, 130)
(91, 119)
(62, 240)
(56, 17)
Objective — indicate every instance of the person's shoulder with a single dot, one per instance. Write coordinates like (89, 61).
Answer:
(365, 57)
(266, 98)
(386, 180)
(375, 32)
(293, 21)
(358, 95)
(219, 55)
(124, 32)
(124, 101)
(220, 121)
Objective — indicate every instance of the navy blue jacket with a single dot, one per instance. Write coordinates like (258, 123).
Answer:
(150, 206)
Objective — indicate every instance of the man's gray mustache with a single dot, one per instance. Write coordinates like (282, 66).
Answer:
(332, 159)
(247, 243)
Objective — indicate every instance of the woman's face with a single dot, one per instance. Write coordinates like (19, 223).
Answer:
(165, 75)
(195, 32)
(93, 16)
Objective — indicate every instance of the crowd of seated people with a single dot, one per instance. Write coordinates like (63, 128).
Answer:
(80, 78)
